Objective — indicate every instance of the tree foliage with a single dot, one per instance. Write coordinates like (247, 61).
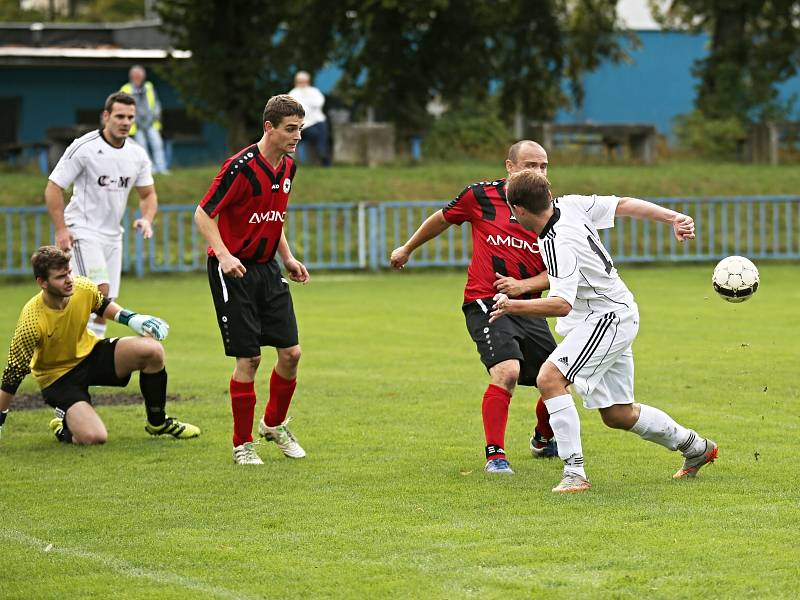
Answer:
(399, 55)
(754, 46)
(395, 56)
(242, 53)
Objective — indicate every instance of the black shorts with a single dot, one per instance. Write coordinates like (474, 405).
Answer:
(95, 369)
(526, 339)
(253, 311)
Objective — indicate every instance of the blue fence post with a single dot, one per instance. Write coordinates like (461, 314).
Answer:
(139, 256)
(373, 235)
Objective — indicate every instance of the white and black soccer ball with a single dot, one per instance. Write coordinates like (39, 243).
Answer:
(735, 279)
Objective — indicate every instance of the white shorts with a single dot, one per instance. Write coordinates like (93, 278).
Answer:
(597, 358)
(100, 261)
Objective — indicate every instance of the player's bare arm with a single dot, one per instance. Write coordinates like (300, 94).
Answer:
(517, 287)
(148, 206)
(297, 270)
(539, 307)
(54, 199)
(682, 225)
(430, 228)
(207, 226)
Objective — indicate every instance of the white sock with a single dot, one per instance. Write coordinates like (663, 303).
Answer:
(97, 328)
(566, 425)
(656, 426)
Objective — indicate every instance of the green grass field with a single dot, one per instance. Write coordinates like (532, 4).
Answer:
(443, 181)
(391, 500)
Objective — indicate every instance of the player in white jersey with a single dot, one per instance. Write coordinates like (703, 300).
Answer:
(102, 166)
(599, 319)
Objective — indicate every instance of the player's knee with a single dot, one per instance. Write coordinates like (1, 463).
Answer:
(505, 375)
(290, 356)
(619, 416)
(152, 352)
(546, 380)
(247, 367)
(506, 380)
(90, 438)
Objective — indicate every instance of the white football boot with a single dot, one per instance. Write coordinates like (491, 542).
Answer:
(284, 439)
(245, 454)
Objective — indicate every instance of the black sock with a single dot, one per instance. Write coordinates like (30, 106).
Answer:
(65, 435)
(154, 390)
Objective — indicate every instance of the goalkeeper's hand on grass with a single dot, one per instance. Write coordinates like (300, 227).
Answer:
(144, 324)
(3, 415)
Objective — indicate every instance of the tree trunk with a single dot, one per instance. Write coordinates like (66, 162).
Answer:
(721, 91)
(239, 133)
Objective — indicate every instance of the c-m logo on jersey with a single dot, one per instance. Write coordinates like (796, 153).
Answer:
(105, 180)
(509, 240)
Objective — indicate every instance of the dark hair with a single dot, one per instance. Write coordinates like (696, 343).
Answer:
(282, 106)
(120, 97)
(48, 258)
(514, 150)
(529, 189)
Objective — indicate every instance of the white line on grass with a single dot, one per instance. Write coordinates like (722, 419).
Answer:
(122, 566)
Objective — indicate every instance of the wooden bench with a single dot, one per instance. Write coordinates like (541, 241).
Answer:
(639, 138)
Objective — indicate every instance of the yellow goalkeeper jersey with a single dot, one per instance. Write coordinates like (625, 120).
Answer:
(50, 342)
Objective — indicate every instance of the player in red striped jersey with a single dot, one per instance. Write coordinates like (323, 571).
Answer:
(241, 216)
(505, 259)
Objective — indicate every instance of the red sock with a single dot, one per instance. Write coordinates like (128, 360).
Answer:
(495, 417)
(543, 420)
(243, 406)
(280, 396)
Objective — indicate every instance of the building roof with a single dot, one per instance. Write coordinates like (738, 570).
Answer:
(84, 44)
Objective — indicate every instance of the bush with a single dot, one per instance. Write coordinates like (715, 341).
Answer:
(710, 138)
(468, 133)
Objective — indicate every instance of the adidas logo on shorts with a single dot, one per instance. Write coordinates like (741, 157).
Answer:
(564, 361)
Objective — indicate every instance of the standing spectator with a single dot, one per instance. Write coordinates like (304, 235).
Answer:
(316, 124)
(147, 128)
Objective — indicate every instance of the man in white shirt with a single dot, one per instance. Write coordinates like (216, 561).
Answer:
(315, 130)
(600, 319)
(103, 165)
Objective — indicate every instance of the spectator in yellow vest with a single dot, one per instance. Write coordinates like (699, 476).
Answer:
(147, 128)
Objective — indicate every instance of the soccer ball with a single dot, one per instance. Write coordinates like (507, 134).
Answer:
(735, 279)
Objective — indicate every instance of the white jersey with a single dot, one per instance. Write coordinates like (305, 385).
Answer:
(579, 268)
(103, 176)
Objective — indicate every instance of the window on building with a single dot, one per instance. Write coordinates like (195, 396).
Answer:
(9, 119)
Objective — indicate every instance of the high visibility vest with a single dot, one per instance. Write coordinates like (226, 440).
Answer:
(150, 94)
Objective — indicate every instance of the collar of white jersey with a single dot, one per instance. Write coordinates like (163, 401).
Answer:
(552, 221)
(103, 137)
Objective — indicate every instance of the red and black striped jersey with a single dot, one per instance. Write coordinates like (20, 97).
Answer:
(250, 197)
(499, 243)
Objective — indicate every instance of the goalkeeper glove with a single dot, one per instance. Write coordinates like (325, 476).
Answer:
(3, 415)
(144, 324)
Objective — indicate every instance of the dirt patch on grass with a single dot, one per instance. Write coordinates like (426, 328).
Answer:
(34, 400)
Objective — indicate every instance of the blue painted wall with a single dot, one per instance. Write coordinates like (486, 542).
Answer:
(51, 96)
(654, 88)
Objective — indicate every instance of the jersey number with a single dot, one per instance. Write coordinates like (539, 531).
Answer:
(597, 249)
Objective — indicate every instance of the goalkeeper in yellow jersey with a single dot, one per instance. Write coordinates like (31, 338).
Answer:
(51, 339)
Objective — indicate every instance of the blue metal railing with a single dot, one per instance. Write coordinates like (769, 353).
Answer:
(362, 235)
